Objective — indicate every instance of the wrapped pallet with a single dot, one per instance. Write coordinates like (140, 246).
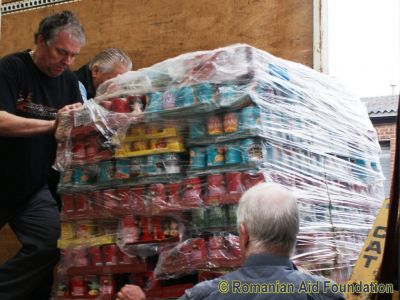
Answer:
(154, 166)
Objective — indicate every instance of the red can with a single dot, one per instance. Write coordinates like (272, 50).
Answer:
(158, 230)
(95, 256)
(78, 149)
(77, 286)
(251, 179)
(215, 125)
(68, 203)
(110, 254)
(107, 286)
(96, 200)
(231, 122)
(173, 193)
(124, 197)
(234, 183)
(215, 185)
(145, 226)
(157, 194)
(81, 202)
(192, 192)
(124, 258)
(109, 199)
(92, 285)
(217, 248)
(198, 251)
(129, 229)
(92, 146)
(138, 205)
(80, 257)
(106, 104)
(120, 105)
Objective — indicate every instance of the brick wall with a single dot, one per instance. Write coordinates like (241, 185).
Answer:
(387, 132)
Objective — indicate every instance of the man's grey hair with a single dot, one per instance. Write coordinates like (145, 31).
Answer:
(107, 59)
(270, 214)
(51, 26)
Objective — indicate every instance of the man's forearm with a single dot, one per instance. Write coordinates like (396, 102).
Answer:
(11, 125)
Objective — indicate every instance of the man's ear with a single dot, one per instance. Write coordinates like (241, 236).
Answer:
(95, 71)
(40, 41)
(244, 237)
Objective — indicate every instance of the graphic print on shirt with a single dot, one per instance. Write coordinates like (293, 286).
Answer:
(28, 108)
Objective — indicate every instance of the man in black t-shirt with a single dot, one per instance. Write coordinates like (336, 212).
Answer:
(35, 86)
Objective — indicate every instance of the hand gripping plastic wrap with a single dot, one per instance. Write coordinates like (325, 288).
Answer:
(153, 169)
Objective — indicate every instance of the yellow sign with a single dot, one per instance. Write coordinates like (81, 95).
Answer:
(370, 259)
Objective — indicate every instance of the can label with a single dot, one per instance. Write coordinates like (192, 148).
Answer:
(139, 146)
(171, 163)
(233, 153)
(122, 169)
(135, 166)
(252, 151)
(197, 158)
(250, 117)
(106, 171)
(185, 97)
(231, 122)
(77, 286)
(92, 285)
(156, 102)
(169, 99)
(68, 203)
(196, 129)
(95, 256)
(110, 254)
(205, 93)
(215, 155)
(215, 125)
(234, 183)
(110, 200)
(81, 202)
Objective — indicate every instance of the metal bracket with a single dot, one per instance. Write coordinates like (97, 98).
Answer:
(23, 5)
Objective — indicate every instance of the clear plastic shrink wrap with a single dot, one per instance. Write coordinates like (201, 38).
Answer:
(154, 166)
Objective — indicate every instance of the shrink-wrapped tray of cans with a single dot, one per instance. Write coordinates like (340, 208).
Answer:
(153, 168)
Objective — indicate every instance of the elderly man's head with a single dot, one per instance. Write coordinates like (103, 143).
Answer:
(58, 41)
(107, 64)
(268, 220)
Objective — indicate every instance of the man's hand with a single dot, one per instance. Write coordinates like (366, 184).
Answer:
(131, 292)
(67, 109)
(70, 108)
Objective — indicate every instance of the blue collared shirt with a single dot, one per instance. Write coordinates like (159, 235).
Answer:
(264, 276)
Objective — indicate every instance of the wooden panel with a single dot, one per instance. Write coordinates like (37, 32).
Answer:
(153, 30)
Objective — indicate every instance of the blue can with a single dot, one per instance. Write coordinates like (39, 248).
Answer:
(250, 117)
(122, 169)
(151, 165)
(205, 93)
(233, 153)
(252, 150)
(197, 158)
(197, 129)
(227, 93)
(185, 97)
(215, 155)
(106, 172)
(156, 102)
(169, 99)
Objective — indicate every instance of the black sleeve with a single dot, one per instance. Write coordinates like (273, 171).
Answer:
(8, 84)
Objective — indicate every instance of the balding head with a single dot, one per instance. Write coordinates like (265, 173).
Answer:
(270, 215)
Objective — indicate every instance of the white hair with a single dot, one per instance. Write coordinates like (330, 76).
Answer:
(270, 214)
(107, 59)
